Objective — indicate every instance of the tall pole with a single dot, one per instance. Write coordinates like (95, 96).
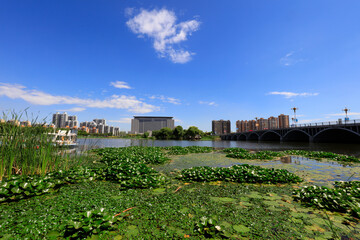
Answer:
(295, 119)
(346, 110)
(256, 123)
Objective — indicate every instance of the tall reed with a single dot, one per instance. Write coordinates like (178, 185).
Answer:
(26, 150)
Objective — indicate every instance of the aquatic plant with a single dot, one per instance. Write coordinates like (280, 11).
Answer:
(321, 155)
(241, 153)
(238, 173)
(344, 197)
(26, 150)
(177, 150)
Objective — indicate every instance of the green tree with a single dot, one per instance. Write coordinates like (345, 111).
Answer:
(164, 133)
(193, 132)
(178, 132)
(146, 135)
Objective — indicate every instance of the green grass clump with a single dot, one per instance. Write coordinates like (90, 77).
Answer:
(177, 150)
(26, 150)
(239, 173)
(344, 197)
(320, 155)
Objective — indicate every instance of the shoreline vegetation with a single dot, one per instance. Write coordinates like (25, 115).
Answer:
(115, 193)
(178, 133)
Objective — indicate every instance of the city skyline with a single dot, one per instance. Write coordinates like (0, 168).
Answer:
(243, 60)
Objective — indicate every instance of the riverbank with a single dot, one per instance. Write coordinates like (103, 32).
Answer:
(205, 138)
(178, 209)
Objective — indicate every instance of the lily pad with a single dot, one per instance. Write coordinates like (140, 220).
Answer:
(241, 228)
(223, 199)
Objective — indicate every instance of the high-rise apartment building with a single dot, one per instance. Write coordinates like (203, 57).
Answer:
(273, 122)
(221, 127)
(144, 124)
(283, 121)
(62, 120)
(262, 124)
(100, 121)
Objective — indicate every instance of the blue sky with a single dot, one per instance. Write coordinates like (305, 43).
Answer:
(194, 60)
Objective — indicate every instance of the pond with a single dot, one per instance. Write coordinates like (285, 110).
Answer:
(322, 173)
(349, 149)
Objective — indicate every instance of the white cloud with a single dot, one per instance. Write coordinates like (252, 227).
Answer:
(306, 121)
(161, 26)
(75, 109)
(289, 59)
(166, 99)
(178, 120)
(120, 84)
(293, 94)
(343, 114)
(209, 103)
(130, 103)
(121, 120)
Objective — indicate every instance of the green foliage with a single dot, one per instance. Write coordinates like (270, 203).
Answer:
(26, 150)
(320, 155)
(146, 135)
(344, 197)
(147, 155)
(238, 173)
(192, 132)
(20, 187)
(208, 228)
(176, 150)
(89, 223)
(164, 133)
(178, 132)
(241, 153)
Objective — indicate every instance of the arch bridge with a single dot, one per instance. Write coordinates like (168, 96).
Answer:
(316, 132)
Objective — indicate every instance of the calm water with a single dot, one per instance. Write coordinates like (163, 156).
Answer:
(350, 149)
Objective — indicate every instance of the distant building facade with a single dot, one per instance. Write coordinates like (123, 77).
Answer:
(282, 121)
(62, 120)
(144, 124)
(99, 126)
(221, 127)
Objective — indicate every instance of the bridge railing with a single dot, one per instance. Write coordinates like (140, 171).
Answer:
(339, 122)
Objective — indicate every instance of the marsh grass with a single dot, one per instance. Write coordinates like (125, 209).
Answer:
(27, 150)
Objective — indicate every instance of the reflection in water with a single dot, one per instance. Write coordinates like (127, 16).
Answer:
(286, 159)
(350, 149)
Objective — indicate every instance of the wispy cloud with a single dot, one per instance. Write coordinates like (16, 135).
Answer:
(120, 84)
(121, 120)
(306, 121)
(178, 120)
(209, 103)
(75, 109)
(161, 26)
(289, 59)
(130, 103)
(354, 114)
(166, 99)
(293, 94)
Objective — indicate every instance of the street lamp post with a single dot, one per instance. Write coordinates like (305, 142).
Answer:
(294, 119)
(346, 110)
(256, 123)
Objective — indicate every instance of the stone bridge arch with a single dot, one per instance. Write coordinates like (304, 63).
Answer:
(241, 137)
(337, 135)
(253, 136)
(296, 135)
(270, 136)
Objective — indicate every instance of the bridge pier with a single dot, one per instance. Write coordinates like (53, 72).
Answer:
(311, 139)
